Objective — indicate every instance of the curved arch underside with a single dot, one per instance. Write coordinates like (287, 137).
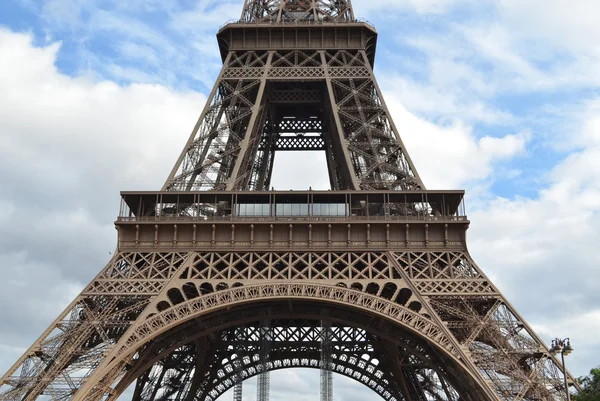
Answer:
(433, 347)
(203, 358)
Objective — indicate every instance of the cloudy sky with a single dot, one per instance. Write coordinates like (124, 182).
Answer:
(497, 97)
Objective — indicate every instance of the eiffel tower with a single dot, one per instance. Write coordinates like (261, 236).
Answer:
(218, 278)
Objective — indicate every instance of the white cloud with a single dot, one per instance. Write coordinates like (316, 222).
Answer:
(455, 98)
(569, 24)
(459, 67)
(461, 158)
(542, 252)
(309, 169)
(51, 121)
(450, 156)
(545, 45)
(578, 327)
(144, 53)
(69, 145)
(65, 12)
(176, 49)
(419, 6)
(6, 210)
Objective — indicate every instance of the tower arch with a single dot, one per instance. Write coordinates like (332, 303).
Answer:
(371, 348)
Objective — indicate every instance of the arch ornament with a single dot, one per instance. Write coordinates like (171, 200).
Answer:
(363, 371)
(370, 352)
(161, 322)
(366, 371)
(405, 317)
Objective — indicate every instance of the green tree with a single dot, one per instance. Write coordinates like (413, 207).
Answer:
(591, 386)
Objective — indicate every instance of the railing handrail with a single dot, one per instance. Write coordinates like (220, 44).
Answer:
(288, 218)
(297, 22)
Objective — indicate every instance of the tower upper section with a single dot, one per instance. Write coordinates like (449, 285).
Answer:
(267, 25)
(297, 76)
(297, 11)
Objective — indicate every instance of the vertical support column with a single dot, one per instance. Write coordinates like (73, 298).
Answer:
(326, 363)
(192, 137)
(263, 385)
(251, 129)
(350, 173)
(412, 167)
(238, 391)
(332, 166)
(237, 364)
(268, 154)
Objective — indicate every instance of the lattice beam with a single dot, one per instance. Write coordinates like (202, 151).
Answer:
(354, 353)
(297, 11)
(233, 144)
(326, 362)
(480, 322)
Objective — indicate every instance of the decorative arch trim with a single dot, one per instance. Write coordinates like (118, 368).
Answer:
(405, 317)
(163, 321)
(361, 370)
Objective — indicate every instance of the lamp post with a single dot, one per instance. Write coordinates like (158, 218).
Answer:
(564, 348)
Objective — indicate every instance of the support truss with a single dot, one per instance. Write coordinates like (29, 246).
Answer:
(249, 118)
(355, 353)
(297, 11)
(326, 362)
(264, 350)
(240, 351)
(98, 335)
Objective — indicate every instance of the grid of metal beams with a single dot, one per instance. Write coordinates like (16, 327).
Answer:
(294, 11)
(95, 339)
(233, 144)
(354, 353)
(263, 385)
(326, 361)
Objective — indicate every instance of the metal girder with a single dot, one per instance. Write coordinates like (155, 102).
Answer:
(295, 143)
(240, 351)
(233, 144)
(297, 11)
(354, 353)
(96, 338)
(326, 362)
(265, 342)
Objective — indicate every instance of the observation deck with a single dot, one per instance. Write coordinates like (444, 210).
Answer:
(292, 220)
(298, 35)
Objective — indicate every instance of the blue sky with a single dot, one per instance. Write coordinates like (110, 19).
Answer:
(497, 97)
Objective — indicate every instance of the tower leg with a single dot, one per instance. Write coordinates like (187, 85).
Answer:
(264, 385)
(326, 362)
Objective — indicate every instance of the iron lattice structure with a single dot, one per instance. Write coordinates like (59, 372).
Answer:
(297, 11)
(263, 385)
(217, 279)
(326, 361)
